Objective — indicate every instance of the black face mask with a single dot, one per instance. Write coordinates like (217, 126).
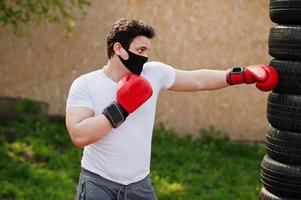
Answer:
(134, 63)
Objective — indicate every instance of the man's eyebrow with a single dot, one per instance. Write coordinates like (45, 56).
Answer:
(142, 47)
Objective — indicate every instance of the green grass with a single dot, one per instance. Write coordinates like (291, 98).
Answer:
(208, 168)
(38, 161)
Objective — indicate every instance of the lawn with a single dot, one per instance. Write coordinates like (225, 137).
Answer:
(38, 161)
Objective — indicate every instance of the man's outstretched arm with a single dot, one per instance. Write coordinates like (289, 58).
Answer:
(265, 77)
(196, 80)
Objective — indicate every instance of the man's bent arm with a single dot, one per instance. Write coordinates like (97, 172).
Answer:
(196, 80)
(84, 128)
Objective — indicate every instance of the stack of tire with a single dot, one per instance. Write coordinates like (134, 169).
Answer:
(281, 167)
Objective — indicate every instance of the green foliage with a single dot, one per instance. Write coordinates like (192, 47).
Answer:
(211, 167)
(38, 161)
(17, 14)
(28, 106)
(211, 135)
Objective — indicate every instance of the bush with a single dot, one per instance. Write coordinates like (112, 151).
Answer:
(38, 161)
(17, 15)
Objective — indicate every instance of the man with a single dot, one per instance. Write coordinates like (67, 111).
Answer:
(110, 112)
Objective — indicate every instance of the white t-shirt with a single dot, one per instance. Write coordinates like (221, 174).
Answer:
(122, 155)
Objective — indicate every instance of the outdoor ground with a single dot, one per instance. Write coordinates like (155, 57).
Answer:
(38, 161)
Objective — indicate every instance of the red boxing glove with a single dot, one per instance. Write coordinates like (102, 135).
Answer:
(265, 77)
(134, 91)
(272, 79)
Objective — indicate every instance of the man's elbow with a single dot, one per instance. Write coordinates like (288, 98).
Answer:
(78, 142)
(76, 139)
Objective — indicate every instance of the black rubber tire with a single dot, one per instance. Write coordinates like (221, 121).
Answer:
(285, 42)
(289, 76)
(284, 111)
(283, 146)
(266, 195)
(281, 179)
(285, 11)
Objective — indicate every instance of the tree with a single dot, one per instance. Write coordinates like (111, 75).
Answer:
(18, 14)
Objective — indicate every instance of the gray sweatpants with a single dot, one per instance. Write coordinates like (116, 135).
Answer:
(94, 187)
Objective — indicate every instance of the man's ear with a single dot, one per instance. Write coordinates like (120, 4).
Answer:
(120, 51)
(117, 48)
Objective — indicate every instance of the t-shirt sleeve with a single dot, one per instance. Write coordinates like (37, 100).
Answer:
(79, 95)
(166, 74)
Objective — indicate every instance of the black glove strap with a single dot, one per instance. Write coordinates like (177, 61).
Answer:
(115, 114)
(233, 73)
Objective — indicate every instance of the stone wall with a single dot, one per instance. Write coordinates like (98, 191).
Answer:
(191, 35)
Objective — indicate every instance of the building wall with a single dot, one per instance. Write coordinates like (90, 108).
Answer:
(191, 34)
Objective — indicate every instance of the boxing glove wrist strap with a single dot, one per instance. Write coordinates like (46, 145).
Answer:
(235, 75)
(115, 114)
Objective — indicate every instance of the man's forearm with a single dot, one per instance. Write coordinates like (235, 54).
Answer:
(211, 79)
(90, 130)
